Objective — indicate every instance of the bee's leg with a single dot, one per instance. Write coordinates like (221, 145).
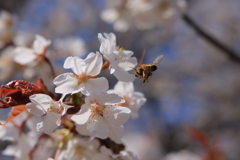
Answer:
(144, 75)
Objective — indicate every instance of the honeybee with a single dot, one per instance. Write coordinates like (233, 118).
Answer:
(145, 70)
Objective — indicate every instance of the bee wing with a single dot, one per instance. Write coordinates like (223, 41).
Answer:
(158, 59)
(141, 60)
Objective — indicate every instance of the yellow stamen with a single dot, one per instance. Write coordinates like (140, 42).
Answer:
(126, 103)
(53, 109)
(82, 78)
(97, 110)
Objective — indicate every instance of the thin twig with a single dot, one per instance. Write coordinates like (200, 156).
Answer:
(231, 54)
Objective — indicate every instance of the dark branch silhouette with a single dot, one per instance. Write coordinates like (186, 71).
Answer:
(231, 54)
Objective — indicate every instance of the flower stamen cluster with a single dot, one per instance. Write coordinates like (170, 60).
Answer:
(97, 110)
(82, 78)
(126, 103)
(54, 109)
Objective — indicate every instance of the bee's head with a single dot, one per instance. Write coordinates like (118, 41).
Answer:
(153, 67)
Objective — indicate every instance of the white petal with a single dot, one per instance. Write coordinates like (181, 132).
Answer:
(126, 53)
(107, 98)
(94, 64)
(40, 43)
(86, 89)
(114, 65)
(134, 114)
(123, 75)
(82, 129)
(106, 151)
(108, 43)
(35, 109)
(111, 37)
(76, 64)
(129, 64)
(97, 127)
(122, 88)
(140, 98)
(116, 116)
(82, 116)
(116, 133)
(50, 123)
(98, 85)
(66, 83)
(24, 55)
(42, 100)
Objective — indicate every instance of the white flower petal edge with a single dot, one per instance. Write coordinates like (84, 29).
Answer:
(24, 55)
(133, 100)
(52, 111)
(120, 60)
(99, 115)
(116, 133)
(85, 113)
(123, 75)
(40, 44)
(108, 43)
(83, 79)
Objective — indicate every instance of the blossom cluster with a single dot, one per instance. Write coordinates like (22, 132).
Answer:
(141, 14)
(86, 108)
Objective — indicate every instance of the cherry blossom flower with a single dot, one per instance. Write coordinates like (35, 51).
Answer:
(107, 154)
(83, 80)
(133, 100)
(120, 60)
(101, 117)
(115, 133)
(141, 14)
(79, 148)
(25, 55)
(52, 111)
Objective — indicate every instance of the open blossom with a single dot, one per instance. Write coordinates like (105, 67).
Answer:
(120, 60)
(27, 55)
(101, 117)
(79, 148)
(141, 14)
(82, 80)
(107, 154)
(43, 105)
(133, 100)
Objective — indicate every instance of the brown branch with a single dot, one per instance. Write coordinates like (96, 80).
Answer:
(231, 54)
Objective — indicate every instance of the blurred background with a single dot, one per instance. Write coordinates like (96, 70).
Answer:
(197, 85)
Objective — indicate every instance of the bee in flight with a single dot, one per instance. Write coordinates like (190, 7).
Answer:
(144, 71)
